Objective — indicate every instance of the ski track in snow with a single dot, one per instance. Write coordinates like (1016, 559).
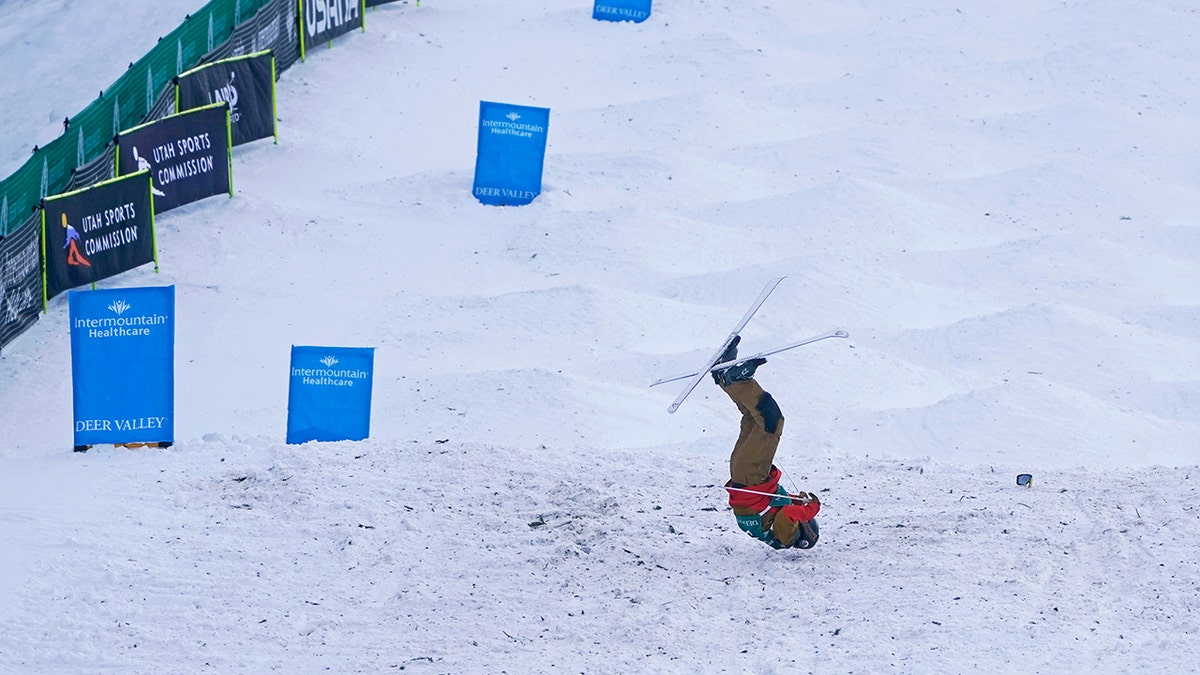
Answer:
(998, 203)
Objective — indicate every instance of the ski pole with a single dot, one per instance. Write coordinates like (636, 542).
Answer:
(765, 494)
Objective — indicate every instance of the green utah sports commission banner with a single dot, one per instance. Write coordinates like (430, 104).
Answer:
(96, 233)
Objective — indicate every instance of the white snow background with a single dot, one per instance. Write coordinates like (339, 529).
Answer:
(999, 201)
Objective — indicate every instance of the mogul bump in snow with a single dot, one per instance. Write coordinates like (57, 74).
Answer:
(763, 508)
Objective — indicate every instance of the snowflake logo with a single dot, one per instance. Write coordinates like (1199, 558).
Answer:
(119, 307)
(513, 116)
(329, 361)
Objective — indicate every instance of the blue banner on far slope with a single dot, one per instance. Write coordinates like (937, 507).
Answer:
(512, 149)
(123, 365)
(329, 394)
(636, 11)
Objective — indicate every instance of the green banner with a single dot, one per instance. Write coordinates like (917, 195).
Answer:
(123, 105)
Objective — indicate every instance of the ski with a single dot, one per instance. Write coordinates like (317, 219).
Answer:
(743, 359)
(762, 297)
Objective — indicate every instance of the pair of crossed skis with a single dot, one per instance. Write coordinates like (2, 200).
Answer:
(712, 361)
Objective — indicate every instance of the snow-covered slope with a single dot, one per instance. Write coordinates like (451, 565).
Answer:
(998, 203)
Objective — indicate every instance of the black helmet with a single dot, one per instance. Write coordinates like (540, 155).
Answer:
(807, 534)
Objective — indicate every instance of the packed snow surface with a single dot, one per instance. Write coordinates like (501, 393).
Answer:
(998, 201)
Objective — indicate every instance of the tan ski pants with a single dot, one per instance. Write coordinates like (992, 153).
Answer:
(762, 426)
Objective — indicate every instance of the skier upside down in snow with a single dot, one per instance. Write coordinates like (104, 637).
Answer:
(782, 520)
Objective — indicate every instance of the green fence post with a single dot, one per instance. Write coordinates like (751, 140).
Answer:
(45, 300)
(274, 104)
(153, 235)
(300, 18)
(229, 141)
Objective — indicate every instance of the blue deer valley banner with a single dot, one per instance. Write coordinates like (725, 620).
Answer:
(187, 155)
(97, 232)
(123, 365)
(246, 83)
(636, 11)
(329, 394)
(512, 149)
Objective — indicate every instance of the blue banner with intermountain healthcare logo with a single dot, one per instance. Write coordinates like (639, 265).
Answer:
(329, 394)
(636, 11)
(512, 149)
(123, 365)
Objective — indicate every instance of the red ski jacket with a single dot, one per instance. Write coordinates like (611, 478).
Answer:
(757, 514)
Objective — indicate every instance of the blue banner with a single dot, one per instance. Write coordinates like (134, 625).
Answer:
(329, 394)
(123, 365)
(512, 148)
(636, 11)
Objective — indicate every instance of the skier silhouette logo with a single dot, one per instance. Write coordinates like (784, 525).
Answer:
(144, 165)
(74, 257)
